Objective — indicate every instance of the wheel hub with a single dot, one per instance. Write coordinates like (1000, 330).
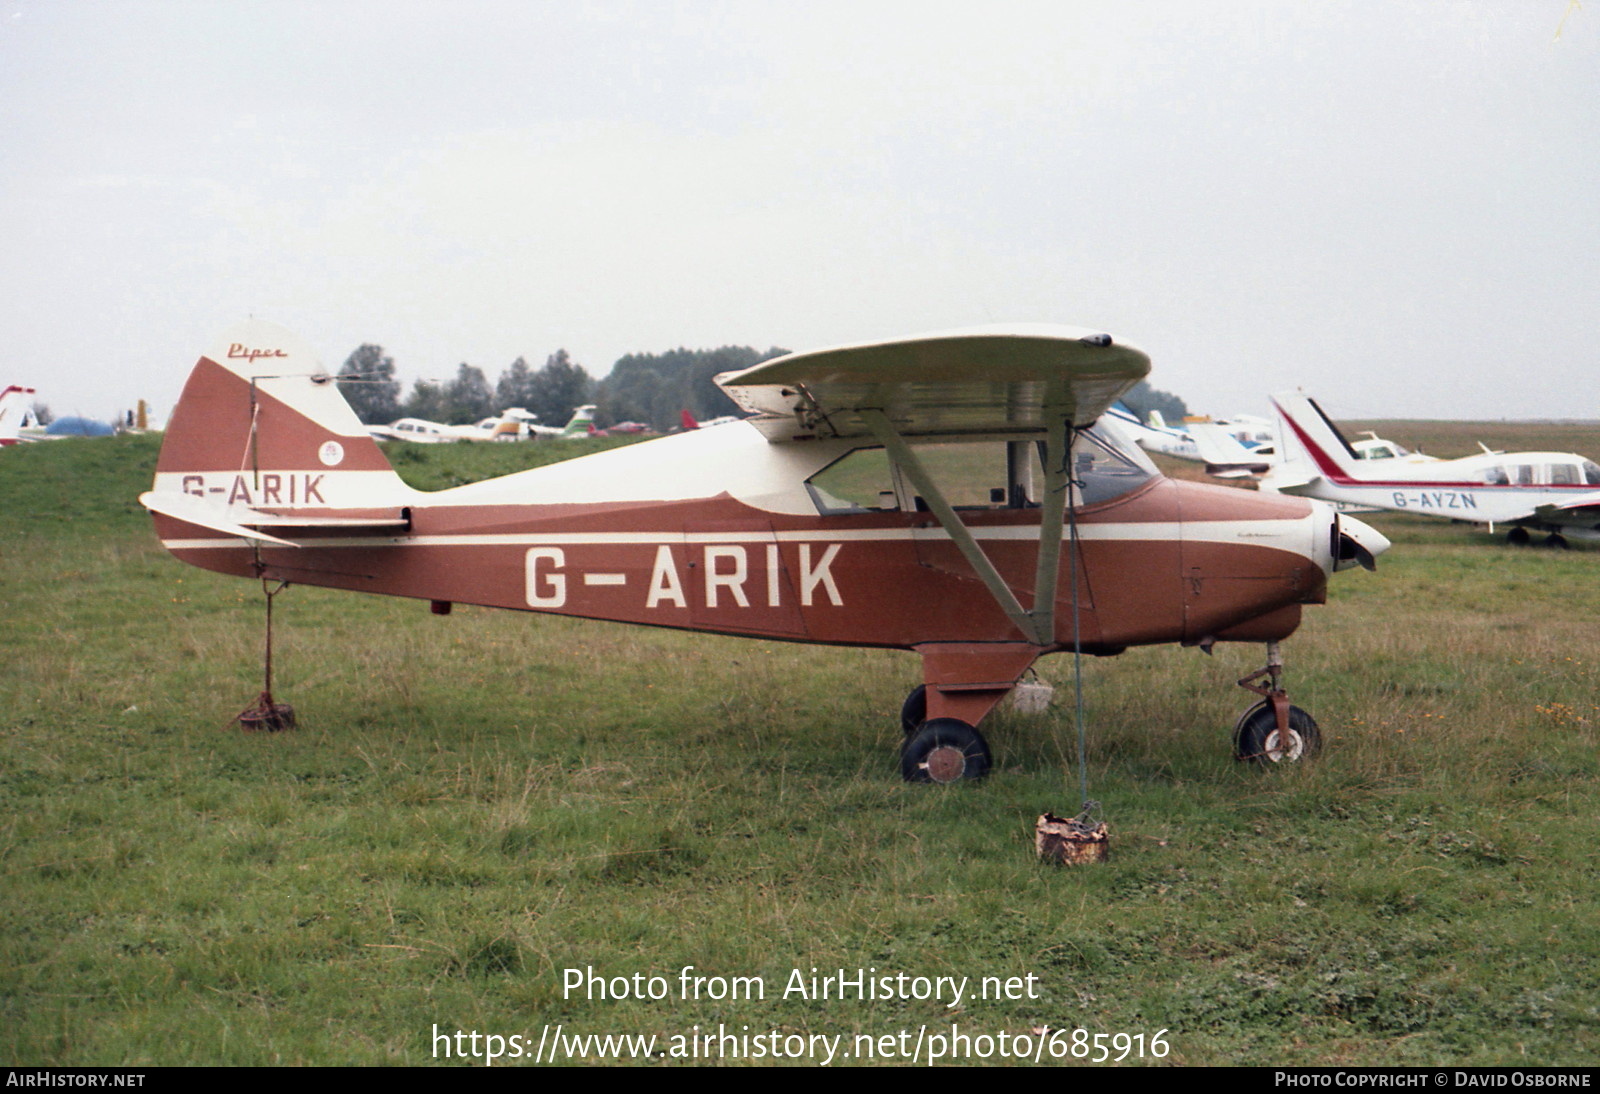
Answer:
(1274, 752)
(946, 764)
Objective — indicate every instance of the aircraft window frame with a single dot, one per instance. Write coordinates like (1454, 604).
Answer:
(1130, 463)
(1103, 470)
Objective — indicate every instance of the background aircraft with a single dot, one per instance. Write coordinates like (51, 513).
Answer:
(944, 494)
(1554, 492)
(418, 431)
(14, 410)
(689, 421)
(514, 423)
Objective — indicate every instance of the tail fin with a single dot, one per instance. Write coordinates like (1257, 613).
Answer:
(581, 424)
(687, 420)
(262, 425)
(13, 409)
(1311, 444)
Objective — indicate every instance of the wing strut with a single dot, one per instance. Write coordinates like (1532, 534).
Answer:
(1057, 486)
(1037, 625)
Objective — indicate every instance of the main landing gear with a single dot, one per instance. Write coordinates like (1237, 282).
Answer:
(948, 747)
(963, 682)
(1521, 537)
(1273, 731)
(938, 750)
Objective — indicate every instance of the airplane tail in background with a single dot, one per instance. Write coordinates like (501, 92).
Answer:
(1225, 457)
(581, 423)
(13, 409)
(1312, 446)
(262, 436)
(687, 420)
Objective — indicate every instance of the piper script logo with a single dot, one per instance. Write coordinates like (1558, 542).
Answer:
(244, 352)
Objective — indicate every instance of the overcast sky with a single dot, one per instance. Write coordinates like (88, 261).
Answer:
(1394, 204)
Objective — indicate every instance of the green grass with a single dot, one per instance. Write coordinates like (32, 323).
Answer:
(475, 803)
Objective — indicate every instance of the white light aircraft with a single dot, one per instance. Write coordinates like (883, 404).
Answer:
(1553, 492)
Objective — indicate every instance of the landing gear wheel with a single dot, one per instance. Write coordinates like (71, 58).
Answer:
(944, 750)
(1518, 537)
(1255, 737)
(914, 711)
(1556, 542)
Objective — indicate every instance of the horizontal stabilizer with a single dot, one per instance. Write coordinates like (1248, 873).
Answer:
(247, 523)
(203, 514)
(1219, 447)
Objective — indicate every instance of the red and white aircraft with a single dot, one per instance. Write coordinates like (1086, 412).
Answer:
(1553, 492)
(945, 494)
(14, 410)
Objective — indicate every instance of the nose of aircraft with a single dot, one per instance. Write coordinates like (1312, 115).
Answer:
(1356, 543)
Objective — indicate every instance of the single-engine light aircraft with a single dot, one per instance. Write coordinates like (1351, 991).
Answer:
(1553, 492)
(946, 493)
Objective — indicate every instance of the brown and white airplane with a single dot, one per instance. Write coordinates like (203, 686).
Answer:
(948, 493)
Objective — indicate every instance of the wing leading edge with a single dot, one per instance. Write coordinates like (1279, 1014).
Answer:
(982, 380)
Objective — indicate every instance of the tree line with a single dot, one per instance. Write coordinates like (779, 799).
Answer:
(643, 387)
(651, 388)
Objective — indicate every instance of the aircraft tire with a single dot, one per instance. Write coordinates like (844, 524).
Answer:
(1255, 736)
(944, 750)
(1518, 537)
(914, 711)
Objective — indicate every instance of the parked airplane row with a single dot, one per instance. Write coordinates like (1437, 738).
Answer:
(1556, 493)
(512, 424)
(20, 423)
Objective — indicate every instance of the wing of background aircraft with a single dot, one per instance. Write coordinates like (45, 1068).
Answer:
(1580, 514)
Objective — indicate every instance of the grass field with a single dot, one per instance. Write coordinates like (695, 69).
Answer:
(474, 804)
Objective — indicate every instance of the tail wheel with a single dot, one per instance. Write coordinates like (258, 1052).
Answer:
(944, 750)
(1256, 738)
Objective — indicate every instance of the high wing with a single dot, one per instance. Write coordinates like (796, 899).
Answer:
(1034, 382)
(980, 380)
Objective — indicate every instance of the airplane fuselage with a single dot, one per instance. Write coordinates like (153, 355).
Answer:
(1165, 561)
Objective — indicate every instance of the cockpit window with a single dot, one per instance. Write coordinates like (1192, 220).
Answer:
(861, 482)
(1104, 469)
(978, 475)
